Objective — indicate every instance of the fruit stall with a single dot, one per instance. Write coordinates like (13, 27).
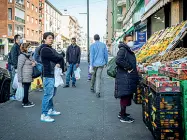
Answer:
(162, 90)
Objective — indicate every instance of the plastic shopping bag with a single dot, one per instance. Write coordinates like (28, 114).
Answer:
(91, 70)
(58, 77)
(15, 82)
(77, 73)
(19, 93)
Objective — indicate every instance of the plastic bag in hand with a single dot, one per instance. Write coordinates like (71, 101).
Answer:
(77, 73)
(91, 70)
(15, 82)
(19, 93)
(58, 77)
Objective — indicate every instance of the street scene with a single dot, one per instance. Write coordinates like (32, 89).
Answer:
(93, 70)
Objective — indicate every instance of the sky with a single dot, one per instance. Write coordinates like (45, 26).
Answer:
(98, 10)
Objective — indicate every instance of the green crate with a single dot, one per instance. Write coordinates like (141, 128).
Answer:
(152, 72)
(183, 85)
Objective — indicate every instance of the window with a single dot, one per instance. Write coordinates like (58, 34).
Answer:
(28, 4)
(36, 21)
(36, 9)
(9, 29)
(9, 13)
(27, 18)
(32, 32)
(32, 7)
(27, 31)
(32, 20)
(10, 1)
(36, 33)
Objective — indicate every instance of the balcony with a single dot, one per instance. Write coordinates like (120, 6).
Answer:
(20, 4)
(19, 20)
(120, 18)
(121, 3)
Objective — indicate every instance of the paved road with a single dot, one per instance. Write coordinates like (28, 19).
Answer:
(84, 117)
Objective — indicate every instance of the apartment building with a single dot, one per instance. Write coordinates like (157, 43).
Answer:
(70, 28)
(52, 18)
(12, 22)
(41, 19)
(32, 22)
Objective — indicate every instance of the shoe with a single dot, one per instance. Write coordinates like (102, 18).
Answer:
(92, 90)
(45, 118)
(98, 95)
(53, 113)
(74, 86)
(66, 86)
(119, 115)
(13, 98)
(29, 104)
(126, 120)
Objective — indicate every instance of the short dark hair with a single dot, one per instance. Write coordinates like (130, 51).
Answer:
(96, 37)
(73, 38)
(16, 37)
(46, 34)
(125, 37)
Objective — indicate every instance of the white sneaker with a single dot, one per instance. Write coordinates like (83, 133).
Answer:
(53, 113)
(45, 118)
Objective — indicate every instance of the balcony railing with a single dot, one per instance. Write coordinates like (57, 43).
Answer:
(18, 19)
(120, 18)
(121, 3)
(20, 4)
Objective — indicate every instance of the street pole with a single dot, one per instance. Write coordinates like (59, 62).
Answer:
(88, 30)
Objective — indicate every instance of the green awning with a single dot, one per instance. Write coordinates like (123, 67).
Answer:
(120, 36)
(130, 30)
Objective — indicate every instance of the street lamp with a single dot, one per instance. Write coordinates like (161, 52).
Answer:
(88, 29)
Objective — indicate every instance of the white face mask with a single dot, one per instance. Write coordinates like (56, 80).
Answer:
(131, 44)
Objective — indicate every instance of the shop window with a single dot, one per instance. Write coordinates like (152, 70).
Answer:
(9, 13)
(9, 29)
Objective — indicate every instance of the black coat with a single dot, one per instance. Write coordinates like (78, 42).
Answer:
(73, 54)
(125, 83)
(15, 52)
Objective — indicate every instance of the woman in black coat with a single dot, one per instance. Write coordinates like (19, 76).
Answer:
(126, 78)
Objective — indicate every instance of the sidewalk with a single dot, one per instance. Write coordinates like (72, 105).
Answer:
(84, 117)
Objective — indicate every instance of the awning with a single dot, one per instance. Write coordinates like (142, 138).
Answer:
(154, 9)
(130, 30)
(120, 37)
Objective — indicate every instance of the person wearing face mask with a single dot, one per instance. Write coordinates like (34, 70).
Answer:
(14, 53)
(25, 70)
(126, 77)
(73, 56)
(50, 58)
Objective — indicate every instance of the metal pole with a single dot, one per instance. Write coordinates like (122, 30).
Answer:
(88, 30)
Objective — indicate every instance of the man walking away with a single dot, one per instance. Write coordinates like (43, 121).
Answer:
(73, 56)
(14, 53)
(98, 59)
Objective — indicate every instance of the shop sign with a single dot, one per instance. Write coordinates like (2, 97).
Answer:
(141, 40)
(149, 4)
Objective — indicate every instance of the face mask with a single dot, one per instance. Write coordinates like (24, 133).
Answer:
(29, 50)
(130, 44)
(21, 41)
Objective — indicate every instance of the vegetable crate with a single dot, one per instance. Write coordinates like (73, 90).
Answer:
(150, 73)
(166, 116)
(137, 97)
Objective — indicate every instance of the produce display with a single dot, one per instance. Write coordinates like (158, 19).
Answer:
(169, 56)
(158, 42)
(137, 97)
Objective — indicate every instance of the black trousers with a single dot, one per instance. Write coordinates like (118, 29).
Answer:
(26, 87)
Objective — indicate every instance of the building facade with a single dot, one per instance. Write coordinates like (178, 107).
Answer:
(52, 22)
(12, 22)
(32, 22)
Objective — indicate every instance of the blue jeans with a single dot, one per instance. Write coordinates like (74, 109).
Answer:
(70, 72)
(49, 93)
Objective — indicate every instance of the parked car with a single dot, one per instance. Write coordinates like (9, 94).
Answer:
(4, 85)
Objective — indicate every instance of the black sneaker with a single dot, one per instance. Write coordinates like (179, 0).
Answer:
(29, 104)
(74, 86)
(98, 95)
(119, 115)
(126, 120)
(92, 90)
(66, 86)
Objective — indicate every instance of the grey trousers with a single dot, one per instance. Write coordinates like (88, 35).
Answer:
(96, 78)
(12, 75)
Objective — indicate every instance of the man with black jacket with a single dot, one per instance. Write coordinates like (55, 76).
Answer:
(14, 53)
(50, 58)
(73, 56)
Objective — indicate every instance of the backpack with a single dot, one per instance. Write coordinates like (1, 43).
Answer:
(111, 68)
